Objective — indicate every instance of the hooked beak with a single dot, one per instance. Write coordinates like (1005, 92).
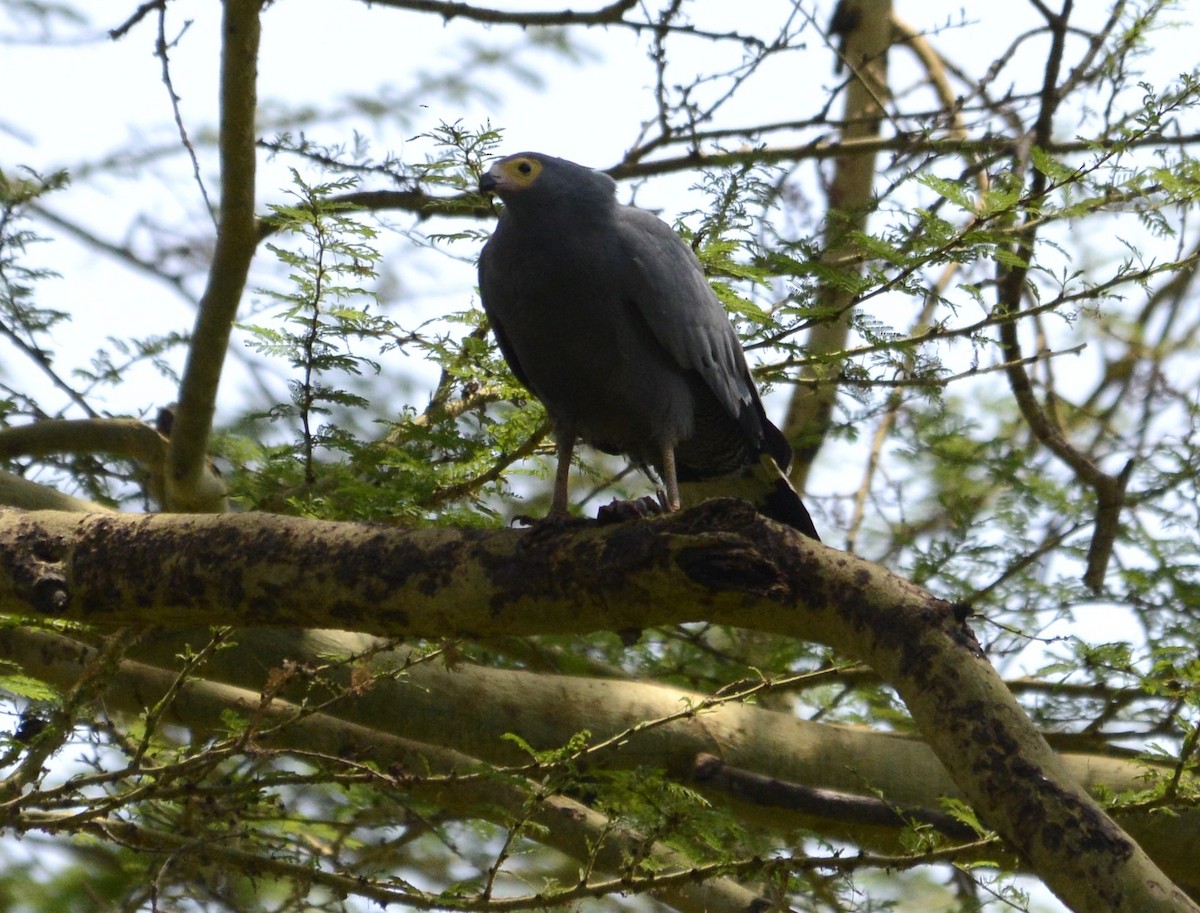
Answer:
(489, 181)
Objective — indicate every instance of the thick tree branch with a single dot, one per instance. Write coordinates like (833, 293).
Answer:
(125, 438)
(421, 770)
(401, 719)
(16, 491)
(188, 485)
(751, 786)
(719, 562)
(128, 438)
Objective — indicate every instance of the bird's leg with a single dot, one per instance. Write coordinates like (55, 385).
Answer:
(670, 482)
(564, 446)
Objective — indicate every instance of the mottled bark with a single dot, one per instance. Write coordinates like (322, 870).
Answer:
(720, 561)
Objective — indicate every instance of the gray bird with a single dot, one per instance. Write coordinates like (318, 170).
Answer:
(604, 314)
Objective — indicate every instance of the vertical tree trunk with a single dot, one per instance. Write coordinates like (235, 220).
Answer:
(865, 27)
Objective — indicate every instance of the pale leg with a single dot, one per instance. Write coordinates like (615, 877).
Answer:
(564, 446)
(670, 482)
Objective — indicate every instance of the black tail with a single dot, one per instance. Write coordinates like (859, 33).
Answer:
(764, 485)
(781, 502)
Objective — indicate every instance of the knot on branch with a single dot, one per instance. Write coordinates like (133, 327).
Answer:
(51, 595)
(37, 568)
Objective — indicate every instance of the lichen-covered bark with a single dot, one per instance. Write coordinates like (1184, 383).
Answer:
(719, 561)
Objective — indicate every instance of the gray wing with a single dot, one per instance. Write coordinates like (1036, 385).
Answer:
(495, 294)
(667, 284)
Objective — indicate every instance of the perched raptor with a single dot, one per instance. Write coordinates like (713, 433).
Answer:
(603, 312)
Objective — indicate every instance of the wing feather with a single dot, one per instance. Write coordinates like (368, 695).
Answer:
(498, 296)
(666, 282)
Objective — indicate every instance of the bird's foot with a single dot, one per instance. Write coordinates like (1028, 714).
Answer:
(665, 503)
(617, 511)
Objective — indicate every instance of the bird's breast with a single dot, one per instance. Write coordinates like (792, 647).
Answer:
(590, 358)
(584, 349)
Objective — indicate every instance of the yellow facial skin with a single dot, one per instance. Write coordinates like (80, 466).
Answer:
(512, 174)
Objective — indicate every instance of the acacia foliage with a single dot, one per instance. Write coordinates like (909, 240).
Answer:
(1000, 317)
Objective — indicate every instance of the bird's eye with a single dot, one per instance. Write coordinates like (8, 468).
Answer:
(521, 171)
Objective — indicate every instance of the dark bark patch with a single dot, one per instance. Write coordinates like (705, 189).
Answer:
(558, 561)
(1047, 812)
(731, 566)
(38, 571)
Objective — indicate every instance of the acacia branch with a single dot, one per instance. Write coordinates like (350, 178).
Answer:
(872, 145)
(423, 204)
(188, 485)
(16, 491)
(399, 723)
(125, 438)
(1109, 489)
(434, 774)
(719, 562)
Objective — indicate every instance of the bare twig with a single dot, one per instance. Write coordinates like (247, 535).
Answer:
(612, 15)
(161, 46)
(1110, 490)
(143, 10)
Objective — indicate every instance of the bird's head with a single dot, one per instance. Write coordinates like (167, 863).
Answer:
(512, 174)
(546, 179)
